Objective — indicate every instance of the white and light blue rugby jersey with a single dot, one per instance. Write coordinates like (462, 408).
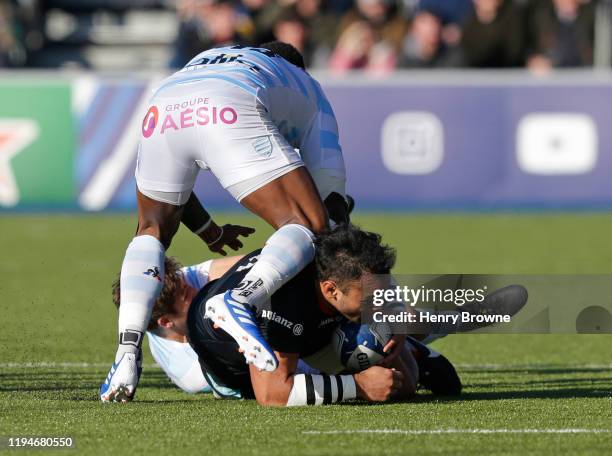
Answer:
(251, 69)
(177, 359)
(275, 83)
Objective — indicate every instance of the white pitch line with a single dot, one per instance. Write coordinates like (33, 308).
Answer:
(59, 364)
(459, 431)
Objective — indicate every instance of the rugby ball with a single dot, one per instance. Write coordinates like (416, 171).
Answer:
(361, 346)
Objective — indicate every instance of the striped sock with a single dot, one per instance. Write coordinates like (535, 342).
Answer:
(285, 254)
(142, 277)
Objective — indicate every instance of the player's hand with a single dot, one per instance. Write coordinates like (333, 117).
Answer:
(378, 384)
(217, 238)
(393, 349)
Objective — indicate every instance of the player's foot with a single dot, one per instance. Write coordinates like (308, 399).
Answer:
(238, 321)
(122, 380)
(505, 301)
(436, 372)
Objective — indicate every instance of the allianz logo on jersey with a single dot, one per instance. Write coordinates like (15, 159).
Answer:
(273, 316)
(180, 115)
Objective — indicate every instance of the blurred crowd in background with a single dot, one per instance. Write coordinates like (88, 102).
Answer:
(378, 36)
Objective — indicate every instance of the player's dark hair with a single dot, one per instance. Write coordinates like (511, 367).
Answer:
(345, 253)
(173, 281)
(286, 51)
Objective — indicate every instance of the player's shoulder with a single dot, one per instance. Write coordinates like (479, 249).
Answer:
(197, 275)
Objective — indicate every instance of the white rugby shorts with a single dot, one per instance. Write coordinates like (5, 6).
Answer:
(245, 139)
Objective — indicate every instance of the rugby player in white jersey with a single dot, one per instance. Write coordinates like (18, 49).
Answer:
(264, 128)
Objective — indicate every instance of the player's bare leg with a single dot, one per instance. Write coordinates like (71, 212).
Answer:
(289, 199)
(290, 203)
(142, 276)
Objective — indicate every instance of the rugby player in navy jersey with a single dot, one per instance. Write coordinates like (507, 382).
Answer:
(297, 320)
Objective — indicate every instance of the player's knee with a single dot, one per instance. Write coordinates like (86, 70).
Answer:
(318, 222)
(314, 221)
(316, 226)
(317, 219)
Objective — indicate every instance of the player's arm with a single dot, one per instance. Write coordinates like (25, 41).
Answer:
(283, 387)
(200, 222)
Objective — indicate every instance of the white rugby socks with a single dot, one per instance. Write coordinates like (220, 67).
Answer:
(142, 277)
(285, 254)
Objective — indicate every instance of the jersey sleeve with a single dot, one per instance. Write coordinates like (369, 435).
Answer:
(197, 275)
(320, 148)
(179, 362)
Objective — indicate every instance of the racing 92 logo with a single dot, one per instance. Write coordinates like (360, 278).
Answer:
(150, 121)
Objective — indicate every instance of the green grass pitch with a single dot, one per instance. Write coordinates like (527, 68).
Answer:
(55, 275)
